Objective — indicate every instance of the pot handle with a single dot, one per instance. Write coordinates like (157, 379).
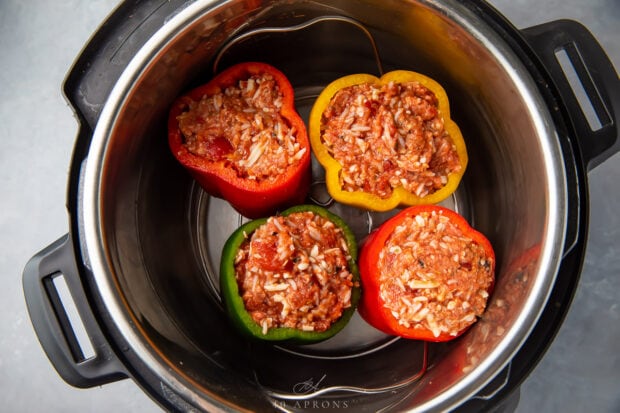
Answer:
(87, 363)
(586, 81)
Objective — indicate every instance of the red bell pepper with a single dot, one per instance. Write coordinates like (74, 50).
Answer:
(426, 274)
(213, 169)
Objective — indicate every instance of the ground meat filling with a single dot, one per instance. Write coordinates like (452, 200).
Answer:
(386, 136)
(242, 126)
(293, 272)
(433, 276)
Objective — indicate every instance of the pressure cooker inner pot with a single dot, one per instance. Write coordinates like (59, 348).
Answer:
(162, 235)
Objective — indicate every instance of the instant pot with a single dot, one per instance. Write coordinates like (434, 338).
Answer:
(537, 108)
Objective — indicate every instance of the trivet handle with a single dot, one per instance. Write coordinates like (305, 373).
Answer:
(238, 38)
(587, 82)
(52, 323)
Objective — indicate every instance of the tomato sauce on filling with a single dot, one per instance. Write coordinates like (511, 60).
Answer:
(293, 272)
(389, 136)
(243, 127)
(433, 276)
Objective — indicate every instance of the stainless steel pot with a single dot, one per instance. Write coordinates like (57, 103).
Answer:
(142, 254)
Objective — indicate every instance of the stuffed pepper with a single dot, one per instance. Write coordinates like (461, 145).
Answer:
(242, 140)
(387, 141)
(426, 273)
(291, 277)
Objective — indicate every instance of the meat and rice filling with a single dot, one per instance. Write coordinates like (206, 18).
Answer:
(433, 276)
(387, 136)
(293, 272)
(243, 126)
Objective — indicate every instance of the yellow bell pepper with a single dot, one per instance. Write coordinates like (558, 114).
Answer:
(400, 196)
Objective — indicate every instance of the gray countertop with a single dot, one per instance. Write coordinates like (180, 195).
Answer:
(38, 43)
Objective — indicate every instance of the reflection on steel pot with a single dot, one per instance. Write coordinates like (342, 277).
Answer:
(143, 250)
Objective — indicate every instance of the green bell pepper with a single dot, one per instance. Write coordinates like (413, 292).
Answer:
(231, 287)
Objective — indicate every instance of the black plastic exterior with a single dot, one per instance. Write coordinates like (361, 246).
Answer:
(101, 62)
(86, 88)
(536, 56)
(109, 51)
